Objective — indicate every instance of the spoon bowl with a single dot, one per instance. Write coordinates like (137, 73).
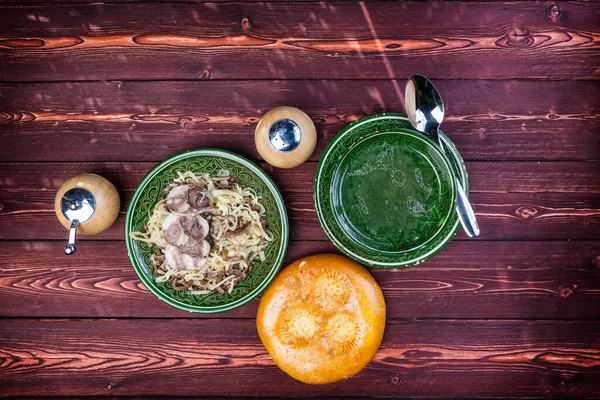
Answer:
(424, 106)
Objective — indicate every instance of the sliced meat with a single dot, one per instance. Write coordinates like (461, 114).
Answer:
(177, 199)
(199, 250)
(174, 257)
(238, 231)
(194, 226)
(179, 286)
(220, 224)
(223, 182)
(179, 260)
(237, 272)
(214, 274)
(198, 287)
(186, 230)
(199, 199)
(173, 230)
(251, 258)
(192, 262)
(168, 188)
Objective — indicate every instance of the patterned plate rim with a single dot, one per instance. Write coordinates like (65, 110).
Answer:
(150, 285)
(318, 192)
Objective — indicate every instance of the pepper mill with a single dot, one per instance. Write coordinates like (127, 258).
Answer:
(86, 204)
(285, 137)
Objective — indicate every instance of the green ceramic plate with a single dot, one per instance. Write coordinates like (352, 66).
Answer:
(385, 194)
(211, 161)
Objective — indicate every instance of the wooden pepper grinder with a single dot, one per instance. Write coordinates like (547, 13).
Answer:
(86, 204)
(285, 137)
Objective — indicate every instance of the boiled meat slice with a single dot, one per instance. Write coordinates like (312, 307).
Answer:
(194, 226)
(173, 231)
(174, 257)
(177, 199)
(199, 250)
(178, 260)
(199, 199)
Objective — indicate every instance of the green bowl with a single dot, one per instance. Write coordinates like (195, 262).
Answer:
(211, 161)
(385, 194)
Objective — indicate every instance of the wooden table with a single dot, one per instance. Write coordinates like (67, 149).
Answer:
(114, 88)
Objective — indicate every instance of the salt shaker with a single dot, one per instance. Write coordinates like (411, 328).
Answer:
(285, 137)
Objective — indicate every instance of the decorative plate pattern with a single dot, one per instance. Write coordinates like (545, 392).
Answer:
(211, 161)
(325, 196)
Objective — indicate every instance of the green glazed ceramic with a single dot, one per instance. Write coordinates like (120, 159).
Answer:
(211, 161)
(385, 194)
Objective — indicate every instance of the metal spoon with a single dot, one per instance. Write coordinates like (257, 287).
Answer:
(425, 110)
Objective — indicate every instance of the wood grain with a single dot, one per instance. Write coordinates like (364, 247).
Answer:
(115, 88)
(100, 121)
(513, 201)
(225, 357)
(305, 40)
(539, 280)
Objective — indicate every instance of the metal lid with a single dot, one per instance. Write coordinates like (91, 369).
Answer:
(78, 205)
(285, 135)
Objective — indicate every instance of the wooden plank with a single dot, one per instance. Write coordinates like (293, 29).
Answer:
(225, 357)
(487, 120)
(328, 3)
(513, 201)
(304, 40)
(538, 280)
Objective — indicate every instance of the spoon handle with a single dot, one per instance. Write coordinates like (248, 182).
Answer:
(465, 212)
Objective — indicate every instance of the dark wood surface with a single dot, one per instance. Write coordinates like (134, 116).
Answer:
(113, 88)
(226, 356)
(514, 200)
(531, 280)
(522, 120)
(305, 40)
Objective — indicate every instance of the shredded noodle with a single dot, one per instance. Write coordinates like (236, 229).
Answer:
(237, 235)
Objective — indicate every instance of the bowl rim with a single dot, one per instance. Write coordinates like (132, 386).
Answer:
(445, 156)
(151, 286)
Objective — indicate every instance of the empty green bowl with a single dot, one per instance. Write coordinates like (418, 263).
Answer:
(385, 194)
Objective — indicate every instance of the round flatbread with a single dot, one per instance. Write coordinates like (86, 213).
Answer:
(322, 319)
